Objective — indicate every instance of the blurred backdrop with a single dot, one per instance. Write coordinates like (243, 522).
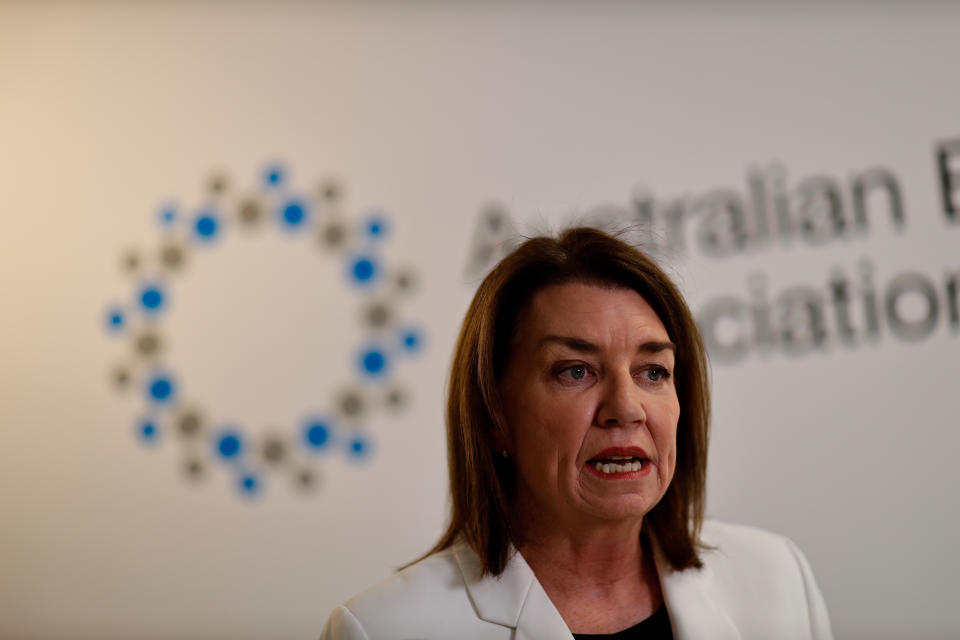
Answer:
(237, 239)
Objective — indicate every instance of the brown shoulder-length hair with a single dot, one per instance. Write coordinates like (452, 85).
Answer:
(482, 481)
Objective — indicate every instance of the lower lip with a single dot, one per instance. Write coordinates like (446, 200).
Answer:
(622, 475)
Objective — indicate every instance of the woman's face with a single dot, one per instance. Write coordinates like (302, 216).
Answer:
(591, 407)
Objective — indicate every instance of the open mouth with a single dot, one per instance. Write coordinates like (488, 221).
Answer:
(618, 464)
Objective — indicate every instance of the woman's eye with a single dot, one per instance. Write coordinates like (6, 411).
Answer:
(656, 374)
(575, 373)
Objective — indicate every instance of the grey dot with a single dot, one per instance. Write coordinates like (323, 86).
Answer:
(396, 398)
(331, 190)
(250, 211)
(351, 403)
(218, 184)
(333, 235)
(495, 220)
(405, 280)
(131, 261)
(274, 450)
(307, 480)
(121, 377)
(189, 423)
(378, 314)
(194, 468)
(148, 344)
(172, 256)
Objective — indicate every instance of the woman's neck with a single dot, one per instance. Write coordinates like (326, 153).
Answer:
(602, 579)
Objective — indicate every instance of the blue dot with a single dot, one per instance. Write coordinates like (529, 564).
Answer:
(248, 484)
(115, 319)
(293, 214)
(358, 447)
(376, 227)
(273, 176)
(161, 389)
(229, 445)
(411, 340)
(152, 298)
(148, 431)
(363, 270)
(206, 226)
(373, 362)
(317, 435)
(168, 215)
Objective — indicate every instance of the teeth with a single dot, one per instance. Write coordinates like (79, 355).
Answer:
(608, 467)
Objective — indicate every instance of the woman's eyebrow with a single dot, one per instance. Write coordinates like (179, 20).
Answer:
(656, 346)
(585, 346)
(577, 344)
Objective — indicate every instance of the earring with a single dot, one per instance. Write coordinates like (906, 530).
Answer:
(504, 453)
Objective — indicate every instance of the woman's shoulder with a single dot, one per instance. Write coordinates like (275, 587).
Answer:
(747, 570)
(745, 549)
(737, 552)
(410, 586)
(741, 538)
(432, 589)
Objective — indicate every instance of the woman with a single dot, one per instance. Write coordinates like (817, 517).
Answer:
(577, 426)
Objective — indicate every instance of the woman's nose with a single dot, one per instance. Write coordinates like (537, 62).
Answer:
(621, 402)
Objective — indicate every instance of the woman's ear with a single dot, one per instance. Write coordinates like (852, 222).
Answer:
(500, 441)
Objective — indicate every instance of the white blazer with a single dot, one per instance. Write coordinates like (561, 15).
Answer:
(753, 585)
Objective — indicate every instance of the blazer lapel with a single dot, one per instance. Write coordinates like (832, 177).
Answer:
(513, 599)
(539, 619)
(693, 613)
(516, 599)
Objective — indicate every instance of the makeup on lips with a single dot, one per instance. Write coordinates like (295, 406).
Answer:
(615, 463)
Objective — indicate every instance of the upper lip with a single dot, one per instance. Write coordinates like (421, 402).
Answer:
(621, 452)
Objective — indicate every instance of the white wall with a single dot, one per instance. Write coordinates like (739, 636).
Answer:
(430, 113)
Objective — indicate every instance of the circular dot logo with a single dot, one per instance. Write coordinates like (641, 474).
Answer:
(253, 456)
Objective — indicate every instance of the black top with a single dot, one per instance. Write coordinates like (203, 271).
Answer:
(656, 627)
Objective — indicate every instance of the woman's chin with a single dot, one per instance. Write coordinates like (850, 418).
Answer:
(608, 509)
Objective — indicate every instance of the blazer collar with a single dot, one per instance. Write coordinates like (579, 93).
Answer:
(693, 612)
(513, 599)
(516, 599)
